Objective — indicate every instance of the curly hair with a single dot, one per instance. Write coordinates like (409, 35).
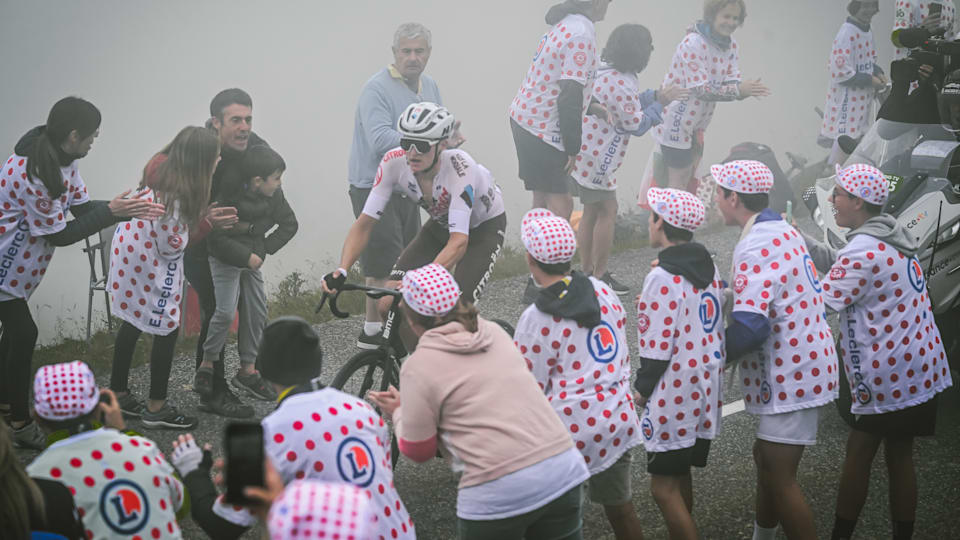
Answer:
(712, 7)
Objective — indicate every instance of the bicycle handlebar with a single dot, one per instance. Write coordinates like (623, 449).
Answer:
(372, 292)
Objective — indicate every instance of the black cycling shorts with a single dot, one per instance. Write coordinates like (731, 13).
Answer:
(474, 269)
(678, 462)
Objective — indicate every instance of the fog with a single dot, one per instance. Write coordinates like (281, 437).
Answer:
(152, 68)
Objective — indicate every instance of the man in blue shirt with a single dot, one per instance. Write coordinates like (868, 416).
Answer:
(382, 99)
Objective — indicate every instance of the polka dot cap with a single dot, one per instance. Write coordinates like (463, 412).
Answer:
(678, 208)
(64, 391)
(311, 509)
(548, 238)
(743, 176)
(430, 290)
(864, 181)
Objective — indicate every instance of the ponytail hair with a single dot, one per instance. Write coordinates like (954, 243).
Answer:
(568, 7)
(464, 313)
(44, 157)
(184, 177)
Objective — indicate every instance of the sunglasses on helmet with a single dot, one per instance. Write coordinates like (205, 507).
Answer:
(422, 146)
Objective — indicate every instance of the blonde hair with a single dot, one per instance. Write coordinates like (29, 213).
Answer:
(186, 175)
(464, 313)
(20, 499)
(712, 7)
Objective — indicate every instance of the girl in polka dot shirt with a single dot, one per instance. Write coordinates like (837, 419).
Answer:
(146, 269)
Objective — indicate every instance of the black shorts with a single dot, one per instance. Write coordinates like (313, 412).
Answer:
(394, 230)
(474, 269)
(917, 421)
(679, 158)
(541, 165)
(678, 462)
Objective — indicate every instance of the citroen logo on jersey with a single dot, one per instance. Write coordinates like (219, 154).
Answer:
(709, 312)
(915, 273)
(765, 392)
(124, 507)
(602, 343)
(811, 271)
(355, 462)
(863, 393)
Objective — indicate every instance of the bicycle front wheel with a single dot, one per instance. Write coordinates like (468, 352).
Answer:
(370, 370)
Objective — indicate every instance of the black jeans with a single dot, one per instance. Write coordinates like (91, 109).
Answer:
(18, 339)
(161, 360)
(197, 272)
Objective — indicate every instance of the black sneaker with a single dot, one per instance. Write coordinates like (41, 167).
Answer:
(368, 342)
(254, 385)
(530, 293)
(168, 417)
(226, 405)
(203, 382)
(131, 406)
(618, 288)
(29, 436)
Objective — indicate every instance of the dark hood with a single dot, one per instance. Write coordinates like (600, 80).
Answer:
(707, 32)
(691, 261)
(571, 298)
(29, 140)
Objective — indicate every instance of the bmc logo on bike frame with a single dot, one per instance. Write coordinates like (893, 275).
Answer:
(124, 507)
(602, 343)
(355, 462)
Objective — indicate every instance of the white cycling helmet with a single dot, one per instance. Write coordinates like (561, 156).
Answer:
(425, 121)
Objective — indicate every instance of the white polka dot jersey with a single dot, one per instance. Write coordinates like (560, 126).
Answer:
(796, 368)
(681, 324)
(585, 374)
(848, 110)
(567, 52)
(146, 270)
(122, 485)
(27, 213)
(913, 13)
(889, 343)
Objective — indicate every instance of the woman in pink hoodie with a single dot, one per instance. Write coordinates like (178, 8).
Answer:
(467, 390)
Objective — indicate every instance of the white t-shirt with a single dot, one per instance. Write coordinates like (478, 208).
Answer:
(912, 14)
(146, 270)
(464, 192)
(585, 374)
(122, 485)
(331, 436)
(796, 368)
(26, 213)
(697, 63)
(889, 343)
(679, 323)
(567, 52)
(848, 110)
(604, 145)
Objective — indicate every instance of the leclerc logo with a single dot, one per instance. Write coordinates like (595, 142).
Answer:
(863, 393)
(811, 271)
(646, 427)
(915, 273)
(765, 392)
(709, 312)
(355, 462)
(602, 343)
(124, 507)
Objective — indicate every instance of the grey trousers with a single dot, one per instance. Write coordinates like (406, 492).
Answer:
(229, 282)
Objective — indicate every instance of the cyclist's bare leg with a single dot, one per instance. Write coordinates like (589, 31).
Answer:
(373, 314)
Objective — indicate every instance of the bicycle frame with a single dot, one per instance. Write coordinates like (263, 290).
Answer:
(390, 343)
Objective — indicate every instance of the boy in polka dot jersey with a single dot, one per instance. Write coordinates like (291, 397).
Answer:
(892, 353)
(316, 433)
(778, 333)
(680, 338)
(122, 485)
(573, 338)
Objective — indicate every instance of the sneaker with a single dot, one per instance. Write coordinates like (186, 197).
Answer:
(530, 293)
(227, 405)
(29, 436)
(168, 417)
(203, 382)
(254, 385)
(131, 406)
(618, 288)
(368, 342)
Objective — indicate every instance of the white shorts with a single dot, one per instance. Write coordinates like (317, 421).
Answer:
(794, 427)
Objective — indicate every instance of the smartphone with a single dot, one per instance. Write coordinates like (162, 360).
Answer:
(244, 460)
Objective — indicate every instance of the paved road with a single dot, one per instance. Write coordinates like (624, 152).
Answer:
(723, 491)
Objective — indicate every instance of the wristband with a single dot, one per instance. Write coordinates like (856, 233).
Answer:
(342, 272)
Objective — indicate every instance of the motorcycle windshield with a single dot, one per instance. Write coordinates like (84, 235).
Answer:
(888, 145)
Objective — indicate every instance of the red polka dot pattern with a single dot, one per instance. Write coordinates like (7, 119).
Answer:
(678, 208)
(310, 509)
(64, 391)
(848, 109)
(548, 238)
(430, 290)
(864, 181)
(913, 13)
(743, 176)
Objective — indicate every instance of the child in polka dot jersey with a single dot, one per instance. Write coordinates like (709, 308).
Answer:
(893, 357)
(680, 338)
(778, 333)
(122, 484)
(573, 339)
(146, 269)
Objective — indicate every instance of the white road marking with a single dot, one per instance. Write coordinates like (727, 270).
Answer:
(732, 408)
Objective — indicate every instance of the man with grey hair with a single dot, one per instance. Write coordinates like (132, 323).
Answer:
(382, 99)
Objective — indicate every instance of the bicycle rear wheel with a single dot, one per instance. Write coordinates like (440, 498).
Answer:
(370, 370)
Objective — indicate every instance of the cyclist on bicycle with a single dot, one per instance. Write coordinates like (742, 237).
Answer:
(467, 219)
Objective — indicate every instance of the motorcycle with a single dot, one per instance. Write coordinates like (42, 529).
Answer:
(916, 160)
